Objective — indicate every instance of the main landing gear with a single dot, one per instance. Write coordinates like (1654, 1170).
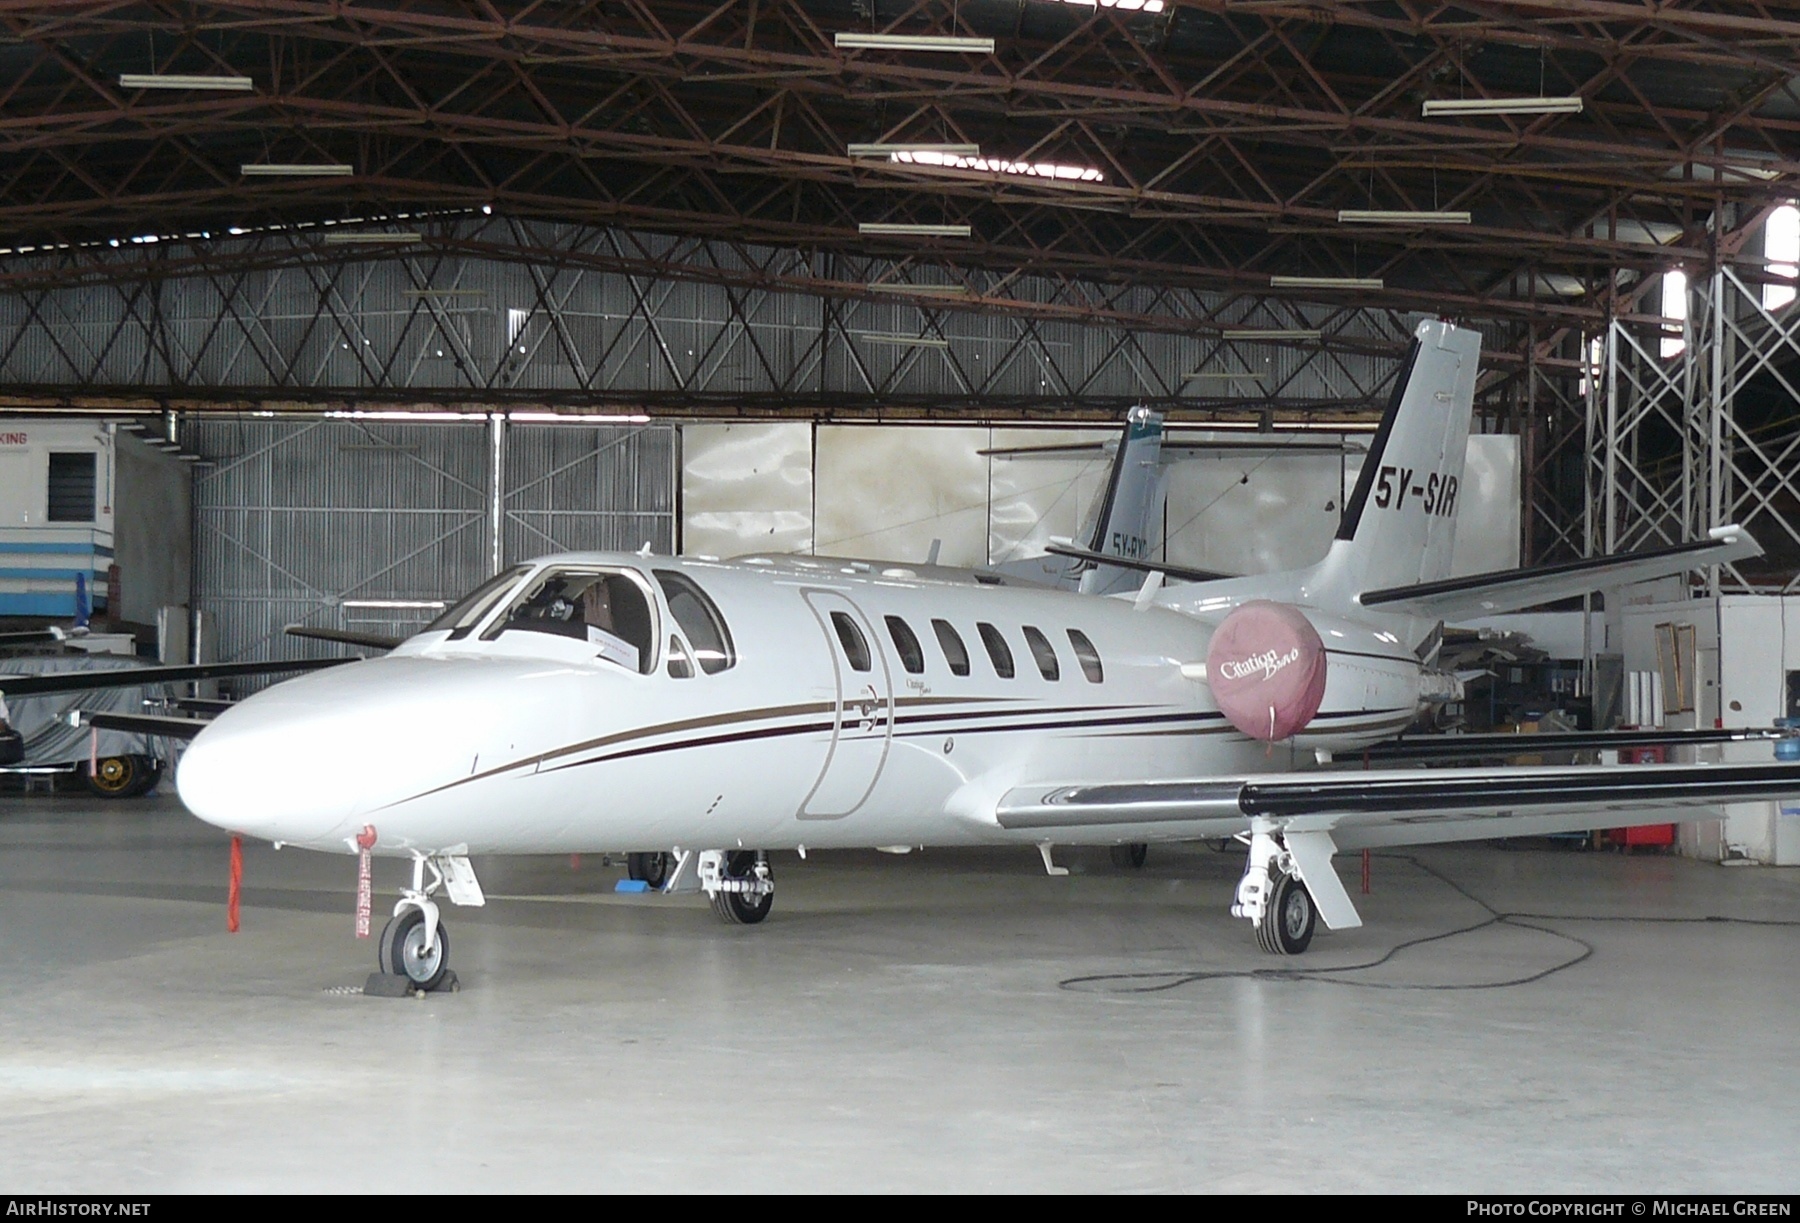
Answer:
(739, 884)
(1271, 896)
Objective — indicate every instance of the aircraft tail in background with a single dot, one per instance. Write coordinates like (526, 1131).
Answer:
(1122, 520)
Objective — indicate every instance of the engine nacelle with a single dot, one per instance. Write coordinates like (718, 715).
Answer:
(1266, 668)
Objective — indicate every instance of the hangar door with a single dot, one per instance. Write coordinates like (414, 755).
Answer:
(371, 525)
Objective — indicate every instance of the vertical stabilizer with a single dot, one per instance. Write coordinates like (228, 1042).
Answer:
(1400, 521)
(1122, 520)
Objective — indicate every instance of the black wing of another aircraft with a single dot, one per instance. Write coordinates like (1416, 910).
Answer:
(141, 677)
(1500, 746)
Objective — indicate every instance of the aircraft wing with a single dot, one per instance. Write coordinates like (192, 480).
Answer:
(1361, 810)
(1506, 590)
(144, 677)
(146, 724)
(1488, 746)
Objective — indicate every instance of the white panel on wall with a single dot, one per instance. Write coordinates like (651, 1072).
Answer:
(746, 488)
(1253, 513)
(1487, 520)
(1032, 499)
(886, 491)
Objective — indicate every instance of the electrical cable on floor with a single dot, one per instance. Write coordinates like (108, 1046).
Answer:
(1161, 982)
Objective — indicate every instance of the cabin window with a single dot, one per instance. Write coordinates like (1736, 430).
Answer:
(699, 618)
(856, 646)
(1041, 651)
(999, 653)
(955, 653)
(462, 617)
(71, 487)
(680, 665)
(1087, 655)
(609, 611)
(911, 656)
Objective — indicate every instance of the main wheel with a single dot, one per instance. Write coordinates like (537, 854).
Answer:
(150, 772)
(114, 776)
(652, 869)
(742, 908)
(1130, 857)
(1286, 927)
(402, 951)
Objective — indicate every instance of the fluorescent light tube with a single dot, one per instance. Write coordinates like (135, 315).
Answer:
(922, 290)
(1502, 106)
(910, 42)
(902, 341)
(327, 169)
(1396, 216)
(882, 229)
(889, 149)
(1270, 333)
(576, 418)
(369, 239)
(230, 84)
(1326, 282)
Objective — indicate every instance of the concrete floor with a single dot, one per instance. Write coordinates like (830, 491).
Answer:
(899, 1024)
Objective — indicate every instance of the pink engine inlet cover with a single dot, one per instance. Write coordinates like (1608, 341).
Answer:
(1266, 667)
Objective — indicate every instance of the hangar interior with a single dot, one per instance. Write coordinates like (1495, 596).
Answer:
(322, 314)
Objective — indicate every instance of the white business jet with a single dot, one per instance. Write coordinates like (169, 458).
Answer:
(618, 702)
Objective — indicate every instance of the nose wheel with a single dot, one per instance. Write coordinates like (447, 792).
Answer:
(410, 949)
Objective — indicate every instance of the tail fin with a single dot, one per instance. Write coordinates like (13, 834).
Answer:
(1121, 522)
(1122, 519)
(1400, 522)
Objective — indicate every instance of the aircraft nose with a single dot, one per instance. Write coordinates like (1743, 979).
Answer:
(308, 761)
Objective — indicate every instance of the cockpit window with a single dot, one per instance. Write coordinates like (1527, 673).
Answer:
(609, 611)
(468, 611)
(699, 618)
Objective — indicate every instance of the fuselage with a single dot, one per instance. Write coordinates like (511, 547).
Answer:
(763, 703)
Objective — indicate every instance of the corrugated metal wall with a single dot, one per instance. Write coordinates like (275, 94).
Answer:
(319, 522)
(547, 324)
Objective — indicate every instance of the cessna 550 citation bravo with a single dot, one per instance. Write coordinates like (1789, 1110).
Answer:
(629, 702)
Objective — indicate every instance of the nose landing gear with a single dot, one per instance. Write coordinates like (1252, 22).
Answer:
(414, 950)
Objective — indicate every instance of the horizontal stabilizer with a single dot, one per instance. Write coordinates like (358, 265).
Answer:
(1510, 589)
(1175, 452)
(1180, 572)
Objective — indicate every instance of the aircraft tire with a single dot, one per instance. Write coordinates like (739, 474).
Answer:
(740, 908)
(150, 771)
(652, 869)
(1130, 857)
(114, 776)
(1287, 924)
(400, 952)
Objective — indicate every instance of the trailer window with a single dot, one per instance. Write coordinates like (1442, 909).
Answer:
(955, 653)
(911, 656)
(699, 618)
(999, 653)
(1087, 655)
(1042, 653)
(71, 487)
